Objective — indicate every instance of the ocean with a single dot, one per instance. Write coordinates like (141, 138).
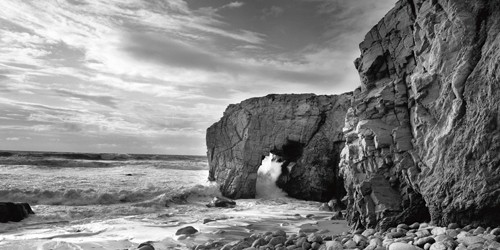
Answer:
(117, 201)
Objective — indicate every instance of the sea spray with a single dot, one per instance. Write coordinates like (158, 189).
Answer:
(267, 175)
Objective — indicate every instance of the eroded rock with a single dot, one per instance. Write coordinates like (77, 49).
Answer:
(304, 131)
(14, 212)
(422, 134)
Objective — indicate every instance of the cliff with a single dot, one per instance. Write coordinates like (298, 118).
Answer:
(304, 131)
(421, 133)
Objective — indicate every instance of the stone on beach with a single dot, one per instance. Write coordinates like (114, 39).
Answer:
(145, 246)
(403, 246)
(221, 202)
(189, 230)
(14, 212)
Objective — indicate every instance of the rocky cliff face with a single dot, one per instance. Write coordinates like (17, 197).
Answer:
(304, 131)
(422, 134)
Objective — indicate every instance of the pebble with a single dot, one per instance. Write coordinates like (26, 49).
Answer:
(471, 240)
(315, 246)
(479, 230)
(417, 236)
(279, 233)
(368, 232)
(495, 231)
(333, 245)
(376, 242)
(259, 242)
(422, 241)
(306, 245)
(452, 233)
(438, 246)
(314, 238)
(350, 244)
(395, 235)
(422, 233)
(277, 240)
(442, 237)
(438, 230)
(402, 246)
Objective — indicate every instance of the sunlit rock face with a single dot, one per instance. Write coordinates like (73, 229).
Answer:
(422, 135)
(304, 132)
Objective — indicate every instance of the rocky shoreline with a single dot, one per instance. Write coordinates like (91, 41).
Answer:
(403, 237)
(419, 140)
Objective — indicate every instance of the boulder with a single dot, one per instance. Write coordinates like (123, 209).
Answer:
(145, 246)
(14, 212)
(221, 202)
(189, 230)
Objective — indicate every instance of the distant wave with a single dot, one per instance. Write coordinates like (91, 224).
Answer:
(77, 197)
(68, 163)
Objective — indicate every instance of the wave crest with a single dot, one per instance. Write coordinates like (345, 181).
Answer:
(80, 197)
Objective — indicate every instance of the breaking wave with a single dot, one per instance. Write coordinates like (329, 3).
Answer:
(78, 197)
(267, 174)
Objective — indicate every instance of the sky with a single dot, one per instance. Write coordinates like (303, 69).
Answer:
(150, 76)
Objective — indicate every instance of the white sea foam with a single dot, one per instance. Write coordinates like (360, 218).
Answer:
(268, 173)
(127, 183)
(122, 205)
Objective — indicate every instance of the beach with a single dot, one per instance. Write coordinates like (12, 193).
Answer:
(111, 204)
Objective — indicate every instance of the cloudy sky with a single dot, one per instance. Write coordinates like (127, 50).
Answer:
(149, 76)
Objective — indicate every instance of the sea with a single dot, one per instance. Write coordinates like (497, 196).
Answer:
(118, 201)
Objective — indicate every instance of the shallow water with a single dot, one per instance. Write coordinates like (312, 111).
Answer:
(118, 205)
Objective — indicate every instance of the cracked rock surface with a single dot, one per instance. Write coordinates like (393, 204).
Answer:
(423, 140)
(304, 131)
(420, 140)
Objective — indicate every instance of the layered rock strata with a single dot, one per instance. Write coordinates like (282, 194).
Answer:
(304, 131)
(422, 134)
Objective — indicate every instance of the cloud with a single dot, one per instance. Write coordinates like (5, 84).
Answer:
(233, 5)
(146, 75)
(108, 101)
(173, 53)
(12, 138)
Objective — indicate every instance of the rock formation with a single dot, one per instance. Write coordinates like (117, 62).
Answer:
(304, 131)
(14, 212)
(422, 133)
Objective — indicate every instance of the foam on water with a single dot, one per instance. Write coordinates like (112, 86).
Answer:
(121, 204)
(268, 173)
(128, 182)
